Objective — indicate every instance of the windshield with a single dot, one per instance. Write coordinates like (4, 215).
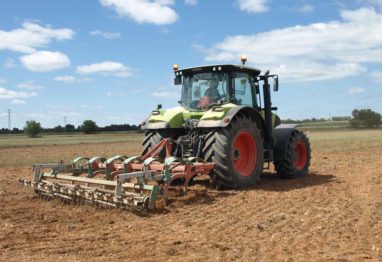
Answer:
(202, 90)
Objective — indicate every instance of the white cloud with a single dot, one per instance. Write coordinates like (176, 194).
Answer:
(166, 94)
(106, 68)
(107, 35)
(312, 71)
(305, 9)
(253, 6)
(43, 61)
(10, 94)
(66, 79)
(317, 51)
(17, 101)
(29, 85)
(156, 12)
(356, 90)
(32, 36)
(2, 81)
(190, 2)
(109, 93)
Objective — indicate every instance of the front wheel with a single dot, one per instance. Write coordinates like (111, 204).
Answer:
(296, 161)
(237, 151)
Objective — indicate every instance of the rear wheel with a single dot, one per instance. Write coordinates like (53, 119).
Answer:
(297, 157)
(237, 151)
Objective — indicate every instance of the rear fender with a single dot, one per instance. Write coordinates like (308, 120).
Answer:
(281, 136)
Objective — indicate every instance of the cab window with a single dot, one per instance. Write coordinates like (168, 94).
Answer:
(243, 90)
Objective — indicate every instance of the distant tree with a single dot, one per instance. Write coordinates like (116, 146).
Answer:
(341, 118)
(288, 121)
(58, 128)
(32, 128)
(89, 126)
(70, 128)
(365, 118)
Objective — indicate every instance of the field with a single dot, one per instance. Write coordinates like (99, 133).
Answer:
(332, 214)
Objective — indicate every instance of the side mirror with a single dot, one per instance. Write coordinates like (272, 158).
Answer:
(178, 80)
(276, 84)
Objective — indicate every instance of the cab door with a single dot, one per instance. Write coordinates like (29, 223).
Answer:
(243, 90)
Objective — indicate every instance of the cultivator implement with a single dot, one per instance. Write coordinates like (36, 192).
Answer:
(122, 182)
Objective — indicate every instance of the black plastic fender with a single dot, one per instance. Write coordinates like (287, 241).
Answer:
(281, 135)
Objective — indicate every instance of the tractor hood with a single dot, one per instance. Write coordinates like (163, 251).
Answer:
(175, 117)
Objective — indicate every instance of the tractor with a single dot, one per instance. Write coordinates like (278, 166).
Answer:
(226, 118)
(223, 128)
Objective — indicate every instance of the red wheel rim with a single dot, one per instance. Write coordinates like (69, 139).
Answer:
(300, 155)
(244, 153)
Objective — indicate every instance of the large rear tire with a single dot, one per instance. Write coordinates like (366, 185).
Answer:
(297, 156)
(237, 151)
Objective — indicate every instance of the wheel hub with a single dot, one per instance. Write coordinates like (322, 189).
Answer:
(300, 155)
(236, 154)
(244, 153)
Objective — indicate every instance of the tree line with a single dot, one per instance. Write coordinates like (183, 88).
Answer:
(313, 120)
(360, 118)
(33, 128)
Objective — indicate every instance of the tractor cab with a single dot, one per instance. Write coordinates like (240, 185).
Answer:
(208, 86)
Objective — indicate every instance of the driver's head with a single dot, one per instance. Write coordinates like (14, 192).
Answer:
(214, 83)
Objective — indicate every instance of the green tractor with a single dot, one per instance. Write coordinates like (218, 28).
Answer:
(224, 128)
(226, 118)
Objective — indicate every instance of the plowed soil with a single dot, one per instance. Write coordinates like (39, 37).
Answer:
(332, 214)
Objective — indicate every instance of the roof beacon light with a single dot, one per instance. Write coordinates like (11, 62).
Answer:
(243, 59)
(175, 67)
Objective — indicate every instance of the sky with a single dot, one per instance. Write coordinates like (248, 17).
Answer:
(111, 60)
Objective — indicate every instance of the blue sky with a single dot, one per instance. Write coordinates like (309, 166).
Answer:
(111, 60)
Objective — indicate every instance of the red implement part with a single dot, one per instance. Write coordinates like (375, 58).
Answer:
(177, 169)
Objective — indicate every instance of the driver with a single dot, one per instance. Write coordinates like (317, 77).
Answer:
(211, 95)
(212, 92)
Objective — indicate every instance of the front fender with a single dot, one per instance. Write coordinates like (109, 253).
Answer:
(170, 118)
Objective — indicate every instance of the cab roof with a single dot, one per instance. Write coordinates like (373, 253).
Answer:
(220, 68)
